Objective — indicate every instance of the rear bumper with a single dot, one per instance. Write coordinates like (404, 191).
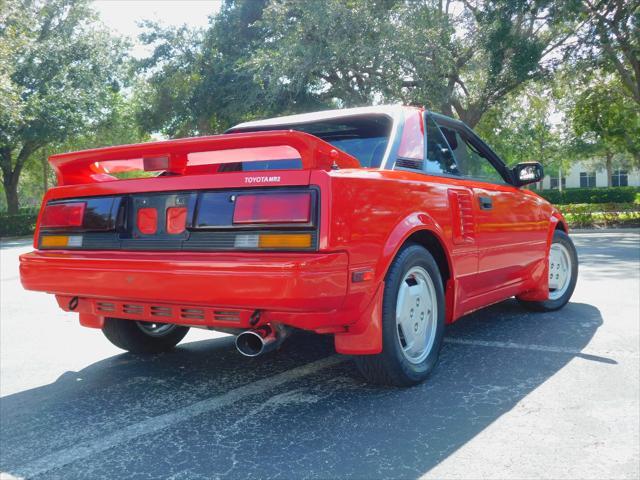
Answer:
(303, 282)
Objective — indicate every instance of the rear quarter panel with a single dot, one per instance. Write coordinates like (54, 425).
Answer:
(373, 212)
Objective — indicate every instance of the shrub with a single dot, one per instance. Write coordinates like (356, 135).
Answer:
(23, 223)
(604, 215)
(592, 195)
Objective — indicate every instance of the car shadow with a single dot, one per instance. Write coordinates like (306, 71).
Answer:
(330, 424)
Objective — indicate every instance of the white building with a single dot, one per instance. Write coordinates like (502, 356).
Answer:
(584, 175)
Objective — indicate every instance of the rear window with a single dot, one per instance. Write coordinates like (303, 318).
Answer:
(364, 137)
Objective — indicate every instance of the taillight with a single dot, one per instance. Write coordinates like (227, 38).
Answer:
(63, 215)
(147, 220)
(176, 220)
(273, 208)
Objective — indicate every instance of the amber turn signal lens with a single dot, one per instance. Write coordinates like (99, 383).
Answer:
(53, 241)
(298, 240)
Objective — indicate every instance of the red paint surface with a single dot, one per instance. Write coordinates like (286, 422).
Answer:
(366, 215)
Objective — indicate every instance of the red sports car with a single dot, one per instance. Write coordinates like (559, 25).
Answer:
(377, 225)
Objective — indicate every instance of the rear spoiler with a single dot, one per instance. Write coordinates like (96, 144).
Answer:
(84, 166)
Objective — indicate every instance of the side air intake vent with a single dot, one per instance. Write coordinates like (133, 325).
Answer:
(461, 203)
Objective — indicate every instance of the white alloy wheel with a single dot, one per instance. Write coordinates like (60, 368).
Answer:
(416, 315)
(560, 269)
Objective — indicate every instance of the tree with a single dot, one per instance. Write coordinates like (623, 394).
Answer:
(486, 50)
(606, 124)
(60, 70)
(520, 128)
(611, 39)
(457, 57)
(339, 52)
(198, 81)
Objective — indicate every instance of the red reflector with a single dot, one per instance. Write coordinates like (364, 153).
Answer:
(63, 215)
(152, 164)
(273, 208)
(176, 219)
(148, 220)
(362, 275)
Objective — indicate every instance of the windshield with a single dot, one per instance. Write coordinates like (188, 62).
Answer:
(364, 137)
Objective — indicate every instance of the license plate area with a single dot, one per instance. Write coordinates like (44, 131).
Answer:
(159, 217)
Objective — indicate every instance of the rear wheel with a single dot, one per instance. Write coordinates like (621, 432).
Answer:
(412, 321)
(563, 274)
(143, 337)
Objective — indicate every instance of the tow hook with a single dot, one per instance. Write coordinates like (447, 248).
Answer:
(255, 318)
(73, 303)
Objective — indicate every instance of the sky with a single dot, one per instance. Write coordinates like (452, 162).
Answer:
(122, 16)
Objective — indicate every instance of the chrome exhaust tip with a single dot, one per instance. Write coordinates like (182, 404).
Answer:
(252, 343)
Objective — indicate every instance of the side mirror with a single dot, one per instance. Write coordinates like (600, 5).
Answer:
(527, 172)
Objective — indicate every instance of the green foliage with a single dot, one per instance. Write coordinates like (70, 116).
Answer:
(605, 215)
(610, 39)
(606, 121)
(504, 45)
(519, 129)
(22, 223)
(60, 71)
(338, 52)
(261, 58)
(199, 82)
(592, 195)
(555, 82)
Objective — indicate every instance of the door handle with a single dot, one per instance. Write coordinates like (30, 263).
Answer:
(485, 203)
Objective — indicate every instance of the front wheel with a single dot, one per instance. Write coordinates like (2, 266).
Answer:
(143, 337)
(412, 321)
(563, 274)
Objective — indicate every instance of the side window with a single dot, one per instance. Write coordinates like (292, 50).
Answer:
(440, 159)
(470, 162)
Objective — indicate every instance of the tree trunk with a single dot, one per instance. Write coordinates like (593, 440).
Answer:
(10, 184)
(10, 176)
(609, 160)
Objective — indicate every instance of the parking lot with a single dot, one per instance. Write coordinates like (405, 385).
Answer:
(516, 395)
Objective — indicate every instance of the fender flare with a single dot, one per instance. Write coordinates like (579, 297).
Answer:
(558, 218)
(540, 290)
(412, 223)
(365, 336)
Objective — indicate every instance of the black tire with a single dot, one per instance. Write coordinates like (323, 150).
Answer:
(391, 367)
(128, 335)
(555, 304)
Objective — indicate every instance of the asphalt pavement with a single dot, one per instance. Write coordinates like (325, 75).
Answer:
(516, 395)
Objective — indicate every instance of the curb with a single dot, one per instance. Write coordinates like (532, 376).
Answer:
(15, 239)
(603, 230)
